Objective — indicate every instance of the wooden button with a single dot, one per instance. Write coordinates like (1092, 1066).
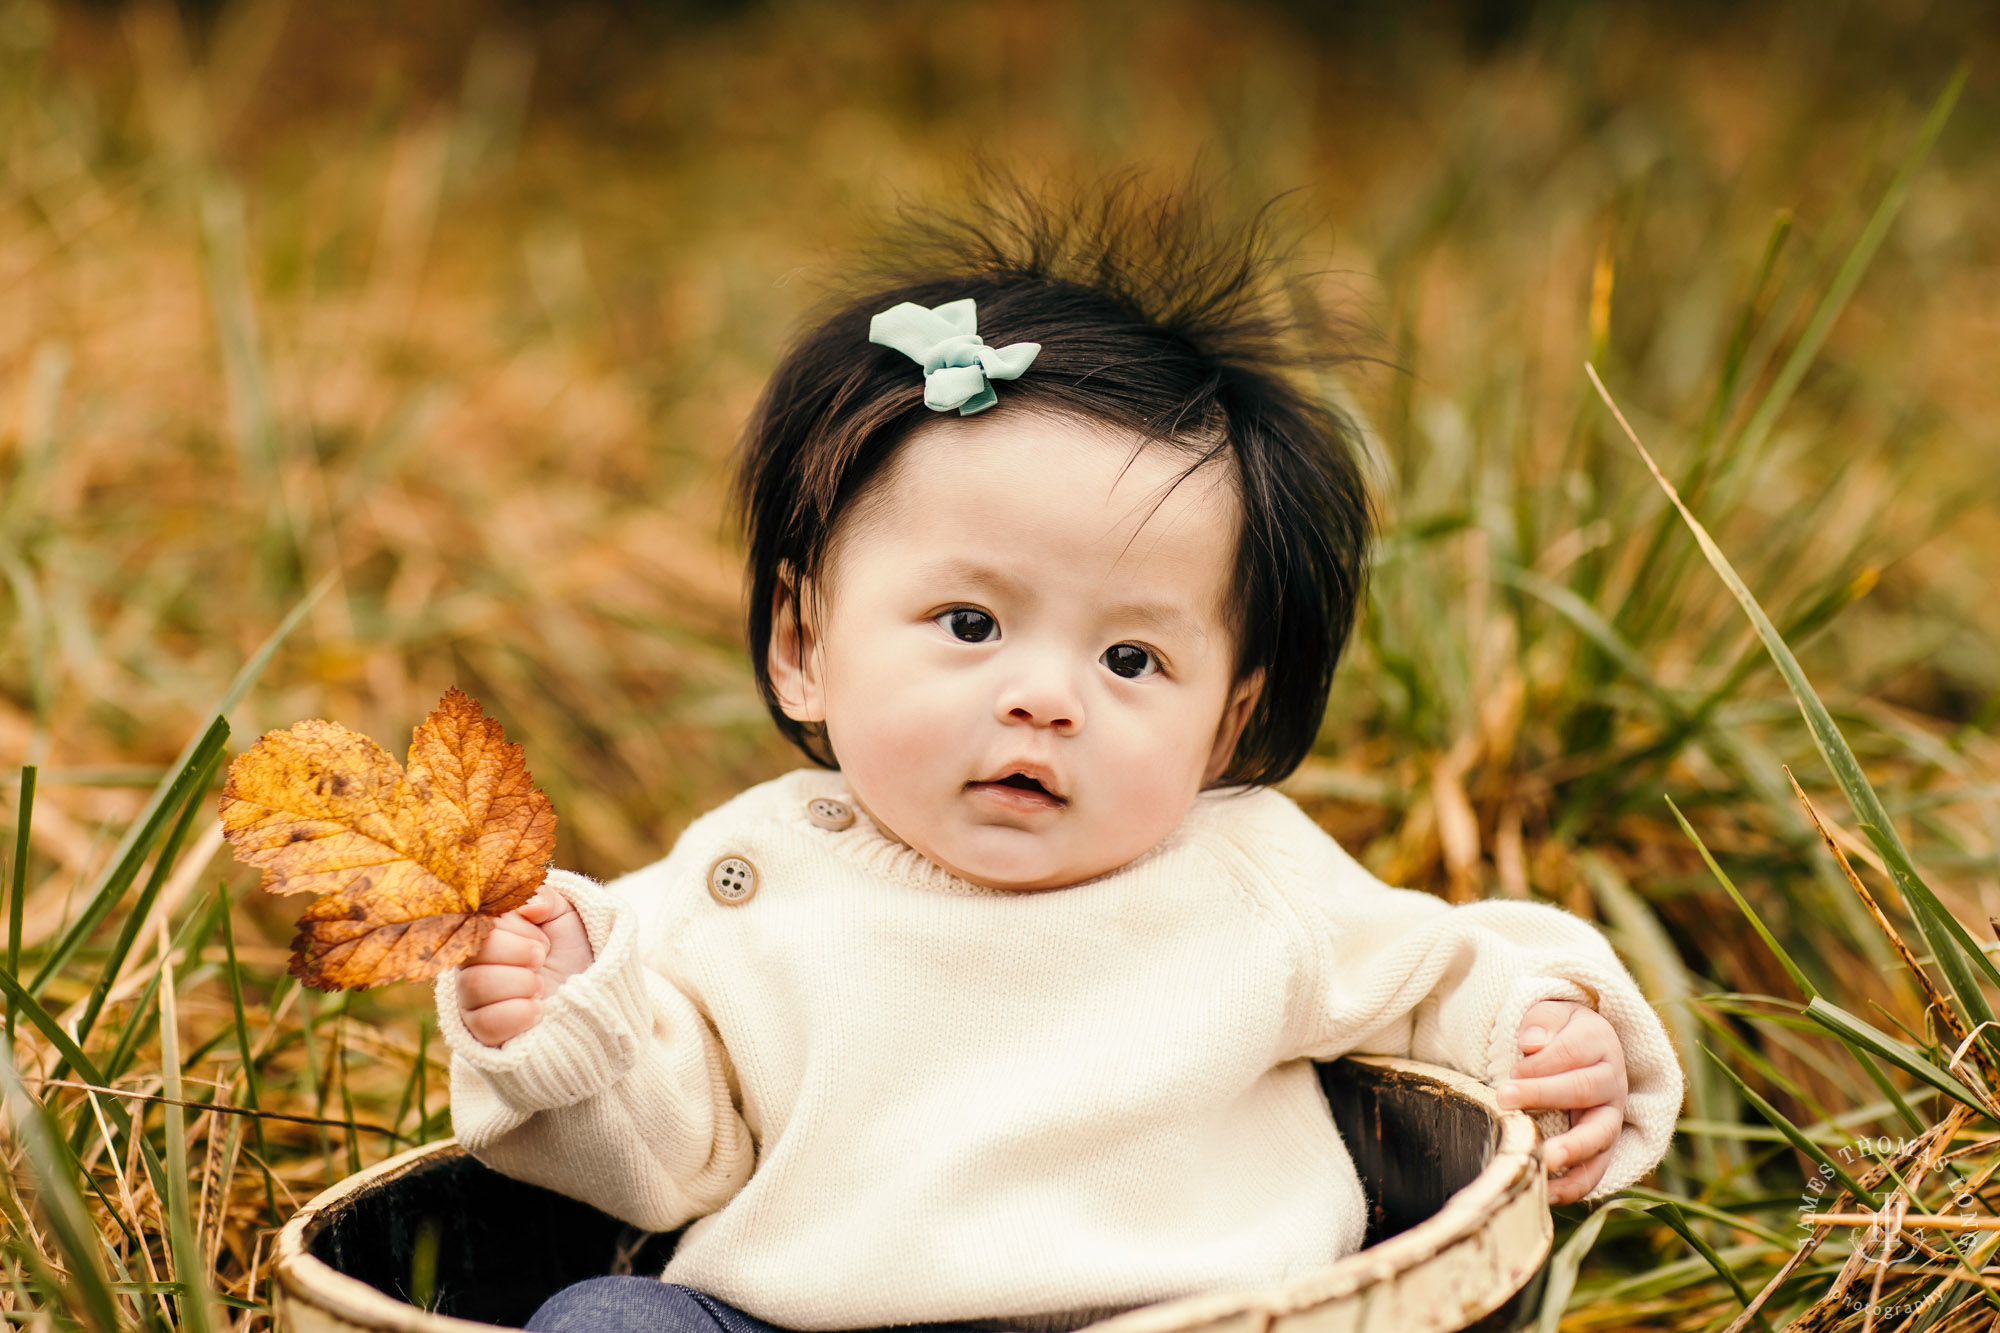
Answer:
(731, 880)
(829, 813)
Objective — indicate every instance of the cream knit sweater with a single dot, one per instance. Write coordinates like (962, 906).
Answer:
(891, 1095)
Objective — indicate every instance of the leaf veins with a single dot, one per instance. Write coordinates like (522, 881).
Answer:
(409, 865)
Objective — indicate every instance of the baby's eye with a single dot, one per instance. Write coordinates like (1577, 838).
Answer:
(970, 625)
(1130, 660)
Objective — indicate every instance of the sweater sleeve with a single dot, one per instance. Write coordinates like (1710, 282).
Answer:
(620, 1095)
(1400, 972)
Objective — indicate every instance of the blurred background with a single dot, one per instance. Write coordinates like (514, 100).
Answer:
(458, 307)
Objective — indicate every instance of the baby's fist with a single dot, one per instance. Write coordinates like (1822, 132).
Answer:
(1572, 1061)
(528, 953)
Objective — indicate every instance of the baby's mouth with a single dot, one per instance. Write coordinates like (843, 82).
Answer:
(1018, 791)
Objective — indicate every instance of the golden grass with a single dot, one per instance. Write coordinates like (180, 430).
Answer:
(463, 308)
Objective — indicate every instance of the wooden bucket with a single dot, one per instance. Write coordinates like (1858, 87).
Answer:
(1458, 1231)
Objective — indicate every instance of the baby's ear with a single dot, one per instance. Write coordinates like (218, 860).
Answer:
(1235, 716)
(793, 654)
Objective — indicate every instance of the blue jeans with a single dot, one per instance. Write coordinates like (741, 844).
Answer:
(648, 1305)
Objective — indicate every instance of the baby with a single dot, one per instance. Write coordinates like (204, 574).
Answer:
(1003, 1015)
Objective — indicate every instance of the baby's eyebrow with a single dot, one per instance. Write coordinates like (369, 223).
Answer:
(971, 571)
(1163, 617)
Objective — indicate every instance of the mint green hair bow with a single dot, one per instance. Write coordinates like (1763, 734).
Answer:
(957, 365)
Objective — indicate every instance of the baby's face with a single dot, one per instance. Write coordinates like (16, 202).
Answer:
(1012, 607)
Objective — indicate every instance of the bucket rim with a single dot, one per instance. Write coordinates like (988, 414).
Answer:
(312, 1282)
(1512, 1176)
(1514, 1170)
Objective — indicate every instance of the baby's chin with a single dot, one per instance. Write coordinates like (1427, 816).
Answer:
(1015, 860)
(1005, 856)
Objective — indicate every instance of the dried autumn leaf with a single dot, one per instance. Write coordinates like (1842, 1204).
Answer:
(411, 865)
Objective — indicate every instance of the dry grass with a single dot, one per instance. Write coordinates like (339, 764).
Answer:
(465, 316)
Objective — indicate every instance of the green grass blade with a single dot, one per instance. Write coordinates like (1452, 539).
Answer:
(254, 667)
(73, 1056)
(1670, 1215)
(17, 896)
(140, 841)
(45, 1281)
(1566, 1261)
(1964, 985)
(1942, 932)
(1779, 395)
(1735, 355)
(346, 1095)
(1857, 1032)
(178, 1289)
(31, 1009)
(409, 1085)
(1793, 1134)
(123, 1279)
(1651, 594)
(1739, 1221)
(55, 1180)
(247, 1055)
(144, 828)
(197, 1314)
(423, 1080)
(1749, 1057)
(1673, 740)
(136, 1030)
(309, 1075)
(144, 1010)
(1890, 1093)
(1593, 626)
(135, 918)
(1792, 969)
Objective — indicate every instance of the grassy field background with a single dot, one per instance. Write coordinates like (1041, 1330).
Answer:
(454, 311)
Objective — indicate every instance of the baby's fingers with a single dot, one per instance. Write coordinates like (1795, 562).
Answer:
(1580, 1180)
(1584, 1040)
(1588, 1146)
(508, 946)
(1592, 1133)
(495, 1024)
(1592, 1085)
(546, 906)
(483, 985)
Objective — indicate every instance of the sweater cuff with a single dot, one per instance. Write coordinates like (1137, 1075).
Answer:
(1654, 1082)
(1504, 1051)
(589, 1032)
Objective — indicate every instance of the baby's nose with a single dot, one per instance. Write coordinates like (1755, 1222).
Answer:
(1057, 721)
(1045, 698)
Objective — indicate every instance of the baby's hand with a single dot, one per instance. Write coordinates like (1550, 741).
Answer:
(528, 953)
(1573, 1062)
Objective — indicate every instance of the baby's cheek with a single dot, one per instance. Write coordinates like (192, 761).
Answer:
(1144, 784)
(898, 742)
(1135, 825)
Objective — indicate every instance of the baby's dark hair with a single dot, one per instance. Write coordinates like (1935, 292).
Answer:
(1152, 319)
